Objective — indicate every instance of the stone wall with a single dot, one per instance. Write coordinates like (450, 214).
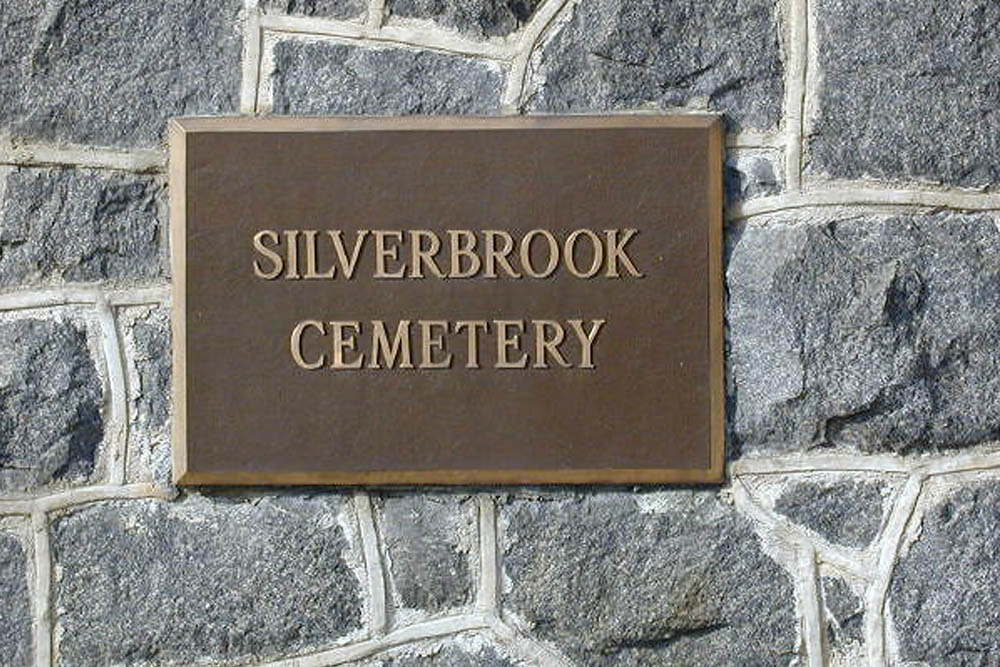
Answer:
(860, 524)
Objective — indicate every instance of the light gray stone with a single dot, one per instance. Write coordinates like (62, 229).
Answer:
(474, 18)
(874, 333)
(151, 341)
(621, 54)
(612, 586)
(329, 9)
(324, 78)
(15, 608)
(67, 225)
(449, 655)
(751, 174)
(945, 591)
(845, 614)
(51, 398)
(909, 91)
(155, 583)
(427, 540)
(847, 513)
(111, 73)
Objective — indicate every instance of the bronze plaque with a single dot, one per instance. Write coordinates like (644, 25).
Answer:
(447, 300)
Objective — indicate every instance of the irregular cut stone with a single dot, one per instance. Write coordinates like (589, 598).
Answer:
(15, 611)
(749, 175)
(873, 333)
(611, 586)
(331, 9)
(151, 341)
(622, 54)
(476, 18)
(427, 540)
(156, 583)
(845, 611)
(848, 513)
(921, 105)
(323, 77)
(448, 655)
(67, 225)
(945, 592)
(111, 73)
(51, 425)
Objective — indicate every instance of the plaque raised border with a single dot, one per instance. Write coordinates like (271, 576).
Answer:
(180, 130)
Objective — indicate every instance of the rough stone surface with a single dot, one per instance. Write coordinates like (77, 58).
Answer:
(845, 614)
(66, 225)
(686, 584)
(465, 654)
(147, 345)
(155, 583)
(111, 73)
(15, 610)
(50, 405)
(847, 513)
(330, 9)
(874, 333)
(923, 104)
(750, 174)
(427, 540)
(321, 78)
(620, 54)
(475, 18)
(945, 592)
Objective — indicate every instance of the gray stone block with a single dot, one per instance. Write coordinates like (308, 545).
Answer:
(623, 54)
(874, 333)
(67, 225)
(613, 586)
(151, 340)
(325, 77)
(845, 615)
(474, 18)
(750, 174)
(51, 397)
(458, 654)
(155, 583)
(15, 610)
(111, 73)
(428, 540)
(908, 91)
(847, 513)
(328, 9)
(945, 591)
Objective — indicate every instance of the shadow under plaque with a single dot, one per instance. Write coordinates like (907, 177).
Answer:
(443, 300)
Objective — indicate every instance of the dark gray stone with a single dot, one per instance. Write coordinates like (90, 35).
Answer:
(449, 655)
(945, 591)
(323, 78)
(15, 611)
(845, 614)
(50, 405)
(872, 333)
(151, 340)
(66, 225)
(687, 585)
(427, 540)
(330, 9)
(848, 513)
(921, 104)
(156, 583)
(750, 175)
(111, 73)
(622, 54)
(475, 18)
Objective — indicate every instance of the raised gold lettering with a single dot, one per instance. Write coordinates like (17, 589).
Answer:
(586, 340)
(506, 343)
(295, 343)
(422, 257)
(343, 339)
(383, 252)
(472, 339)
(347, 264)
(526, 263)
(544, 345)
(569, 253)
(496, 256)
(400, 345)
(617, 252)
(258, 244)
(431, 342)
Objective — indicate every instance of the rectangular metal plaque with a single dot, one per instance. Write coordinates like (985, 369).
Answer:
(447, 300)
